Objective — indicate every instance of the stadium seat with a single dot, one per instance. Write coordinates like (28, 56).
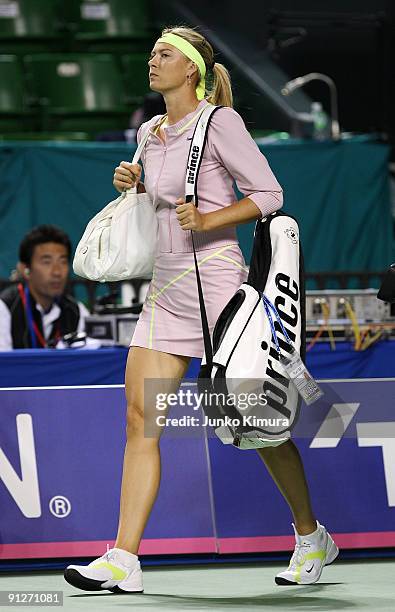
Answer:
(13, 99)
(79, 92)
(135, 71)
(99, 19)
(27, 25)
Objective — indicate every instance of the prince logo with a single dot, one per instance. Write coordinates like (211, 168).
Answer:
(286, 303)
(193, 164)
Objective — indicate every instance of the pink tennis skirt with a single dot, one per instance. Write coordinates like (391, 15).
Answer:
(170, 319)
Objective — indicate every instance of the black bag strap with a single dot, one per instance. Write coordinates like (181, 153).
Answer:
(387, 288)
(208, 349)
(195, 157)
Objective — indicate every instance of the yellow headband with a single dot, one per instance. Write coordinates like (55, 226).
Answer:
(193, 54)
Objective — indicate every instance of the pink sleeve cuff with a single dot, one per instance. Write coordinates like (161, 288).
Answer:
(267, 201)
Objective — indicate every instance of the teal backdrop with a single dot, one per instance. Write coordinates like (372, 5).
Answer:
(339, 192)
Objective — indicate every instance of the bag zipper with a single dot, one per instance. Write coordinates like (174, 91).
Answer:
(99, 250)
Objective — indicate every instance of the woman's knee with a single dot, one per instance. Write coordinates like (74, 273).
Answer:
(134, 419)
(141, 424)
(142, 396)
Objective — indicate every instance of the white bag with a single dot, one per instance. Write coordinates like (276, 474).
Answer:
(119, 242)
(244, 359)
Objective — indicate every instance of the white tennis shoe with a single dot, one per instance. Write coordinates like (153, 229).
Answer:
(312, 553)
(117, 570)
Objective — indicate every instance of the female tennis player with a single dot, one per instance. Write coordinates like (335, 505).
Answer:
(168, 332)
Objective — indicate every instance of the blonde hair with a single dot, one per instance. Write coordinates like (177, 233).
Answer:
(220, 91)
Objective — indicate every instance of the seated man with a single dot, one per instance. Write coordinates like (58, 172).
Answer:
(37, 313)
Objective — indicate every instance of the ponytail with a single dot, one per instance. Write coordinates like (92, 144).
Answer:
(221, 92)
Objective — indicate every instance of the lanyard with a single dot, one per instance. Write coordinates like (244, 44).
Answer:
(293, 366)
(268, 305)
(35, 333)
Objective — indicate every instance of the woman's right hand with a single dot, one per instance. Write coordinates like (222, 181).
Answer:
(126, 175)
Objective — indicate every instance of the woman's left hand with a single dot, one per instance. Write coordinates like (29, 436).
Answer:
(188, 216)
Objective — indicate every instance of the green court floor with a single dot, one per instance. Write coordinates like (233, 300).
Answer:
(345, 585)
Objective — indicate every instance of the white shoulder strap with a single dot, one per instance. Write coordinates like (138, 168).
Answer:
(141, 146)
(196, 152)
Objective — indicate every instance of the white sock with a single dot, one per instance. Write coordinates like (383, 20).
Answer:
(126, 557)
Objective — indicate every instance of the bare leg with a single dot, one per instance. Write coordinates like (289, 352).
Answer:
(286, 468)
(141, 468)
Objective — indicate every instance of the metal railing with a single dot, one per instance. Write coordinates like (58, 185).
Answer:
(344, 280)
(89, 291)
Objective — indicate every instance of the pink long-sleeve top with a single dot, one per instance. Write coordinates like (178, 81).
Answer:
(230, 155)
